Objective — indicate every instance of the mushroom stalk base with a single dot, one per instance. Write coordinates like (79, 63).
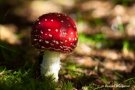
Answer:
(50, 64)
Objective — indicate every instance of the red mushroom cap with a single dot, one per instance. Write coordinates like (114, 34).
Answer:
(54, 32)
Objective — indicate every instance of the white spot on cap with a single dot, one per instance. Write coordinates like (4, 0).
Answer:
(42, 47)
(69, 39)
(66, 49)
(57, 42)
(40, 40)
(75, 38)
(68, 25)
(45, 34)
(39, 23)
(65, 40)
(50, 35)
(45, 19)
(57, 49)
(46, 42)
(72, 33)
(64, 46)
(52, 44)
(49, 29)
(64, 33)
(53, 40)
(56, 30)
(62, 21)
(61, 42)
(41, 32)
(51, 20)
(35, 39)
(73, 45)
(61, 47)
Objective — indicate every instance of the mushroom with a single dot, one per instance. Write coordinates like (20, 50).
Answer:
(53, 33)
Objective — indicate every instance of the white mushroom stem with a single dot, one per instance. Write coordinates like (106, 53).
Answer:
(51, 64)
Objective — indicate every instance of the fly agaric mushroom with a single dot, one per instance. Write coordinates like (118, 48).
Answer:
(53, 33)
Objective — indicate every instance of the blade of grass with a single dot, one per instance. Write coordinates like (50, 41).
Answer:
(8, 49)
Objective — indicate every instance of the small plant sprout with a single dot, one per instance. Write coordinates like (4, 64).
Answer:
(53, 33)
